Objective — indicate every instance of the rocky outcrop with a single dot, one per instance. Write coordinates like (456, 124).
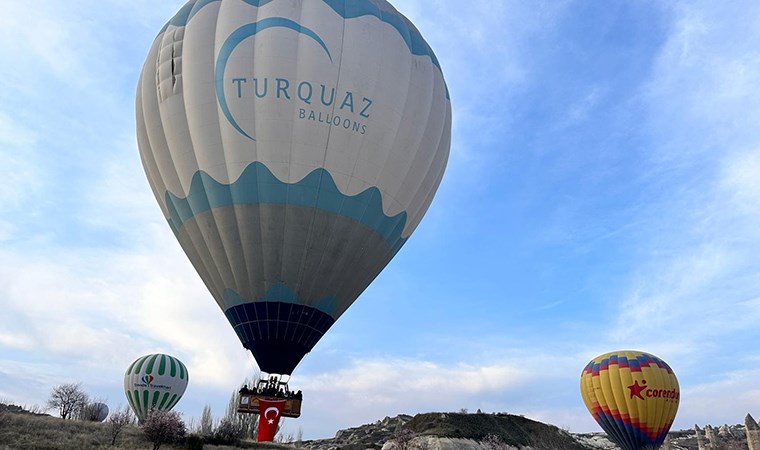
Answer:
(438, 443)
(450, 431)
(368, 436)
(458, 431)
(753, 432)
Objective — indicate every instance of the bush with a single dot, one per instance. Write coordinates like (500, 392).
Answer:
(194, 442)
(118, 420)
(163, 427)
(227, 433)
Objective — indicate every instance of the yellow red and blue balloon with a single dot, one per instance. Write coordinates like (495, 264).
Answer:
(633, 396)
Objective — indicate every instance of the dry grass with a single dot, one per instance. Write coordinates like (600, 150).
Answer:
(21, 431)
(26, 431)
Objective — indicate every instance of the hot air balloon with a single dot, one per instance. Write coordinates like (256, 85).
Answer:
(154, 382)
(293, 147)
(98, 411)
(633, 396)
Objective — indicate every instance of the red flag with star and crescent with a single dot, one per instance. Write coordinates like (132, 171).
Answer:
(270, 412)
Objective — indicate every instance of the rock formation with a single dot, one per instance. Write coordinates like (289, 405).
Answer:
(712, 441)
(724, 432)
(700, 441)
(459, 431)
(666, 443)
(753, 432)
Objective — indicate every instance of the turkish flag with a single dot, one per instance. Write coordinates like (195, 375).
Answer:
(269, 416)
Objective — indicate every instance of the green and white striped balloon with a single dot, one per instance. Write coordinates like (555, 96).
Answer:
(154, 382)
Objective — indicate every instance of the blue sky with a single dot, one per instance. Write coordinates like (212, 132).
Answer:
(601, 194)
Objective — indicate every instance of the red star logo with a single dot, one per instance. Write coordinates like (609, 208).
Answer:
(636, 388)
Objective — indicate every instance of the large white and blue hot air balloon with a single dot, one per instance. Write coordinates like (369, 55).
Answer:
(293, 146)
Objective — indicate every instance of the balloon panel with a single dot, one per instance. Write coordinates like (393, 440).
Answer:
(154, 382)
(633, 396)
(293, 148)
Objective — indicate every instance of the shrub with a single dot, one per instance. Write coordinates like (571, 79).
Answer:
(194, 442)
(228, 432)
(117, 421)
(163, 427)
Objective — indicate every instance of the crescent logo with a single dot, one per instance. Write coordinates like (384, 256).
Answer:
(235, 39)
(271, 420)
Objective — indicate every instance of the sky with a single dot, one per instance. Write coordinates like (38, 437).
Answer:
(601, 194)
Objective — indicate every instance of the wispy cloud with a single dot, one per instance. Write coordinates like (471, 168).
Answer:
(526, 383)
(694, 288)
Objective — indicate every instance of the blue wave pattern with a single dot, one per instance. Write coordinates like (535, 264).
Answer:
(347, 9)
(281, 292)
(258, 185)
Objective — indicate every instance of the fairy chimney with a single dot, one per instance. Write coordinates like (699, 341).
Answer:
(712, 441)
(700, 442)
(753, 432)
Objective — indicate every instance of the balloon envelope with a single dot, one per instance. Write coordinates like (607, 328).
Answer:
(99, 411)
(293, 147)
(633, 396)
(154, 382)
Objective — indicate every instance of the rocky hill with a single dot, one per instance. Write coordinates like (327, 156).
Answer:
(451, 431)
(501, 431)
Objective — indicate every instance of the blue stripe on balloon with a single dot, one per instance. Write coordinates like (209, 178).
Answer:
(257, 185)
(412, 37)
(346, 9)
(239, 36)
(633, 437)
(282, 293)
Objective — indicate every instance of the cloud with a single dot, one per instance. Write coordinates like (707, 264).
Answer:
(77, 308)
(739, 185)
(522, 382)
(694, 289)
(731, 396)
(392, 386)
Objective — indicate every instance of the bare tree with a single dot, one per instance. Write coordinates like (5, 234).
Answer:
(207, 422)
(163, 427)
(227, 432)
(68, 399)
(298, 443)
(246, 423)
(118, 420)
